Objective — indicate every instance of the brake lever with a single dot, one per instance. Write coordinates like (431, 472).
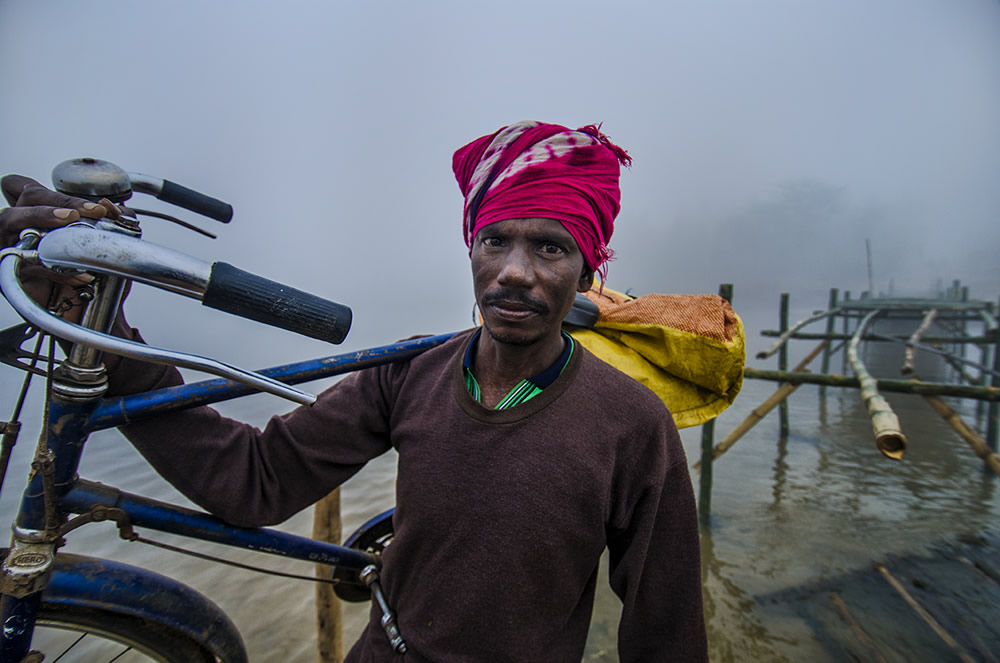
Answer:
(11, 353)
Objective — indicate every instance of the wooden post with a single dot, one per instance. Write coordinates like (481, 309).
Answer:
(783, 366)
(830, 322)
(843, 355)
(991, 412)
(963, 323)
(871, 277)
(989, 323)
(329, 626)
(707, 445)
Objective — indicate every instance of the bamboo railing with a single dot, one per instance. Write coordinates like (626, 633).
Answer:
(909, 356)
(889, 436)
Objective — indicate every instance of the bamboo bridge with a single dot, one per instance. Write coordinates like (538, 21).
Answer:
(879, 613)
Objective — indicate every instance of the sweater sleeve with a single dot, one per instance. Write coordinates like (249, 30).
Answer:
(252, 477)
(655, 564)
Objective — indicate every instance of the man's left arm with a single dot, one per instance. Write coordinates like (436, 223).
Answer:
(656, 565)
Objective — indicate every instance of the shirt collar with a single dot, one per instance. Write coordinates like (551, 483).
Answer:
(543, 379)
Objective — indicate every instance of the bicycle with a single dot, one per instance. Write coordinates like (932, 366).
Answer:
(139, 608)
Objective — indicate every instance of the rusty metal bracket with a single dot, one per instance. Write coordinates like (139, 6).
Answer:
(99, 514)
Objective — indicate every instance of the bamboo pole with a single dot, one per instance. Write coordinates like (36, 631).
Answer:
(329, 625)
(819, 336)
(977, 443)
(950, 357)
(863, 636)
(761, 410)
(956, 364)
(785, 335)
(989, 394)
(911, 349)
(926, 616)
(889, 436)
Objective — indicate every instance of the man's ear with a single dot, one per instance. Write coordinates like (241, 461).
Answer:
(586, 280)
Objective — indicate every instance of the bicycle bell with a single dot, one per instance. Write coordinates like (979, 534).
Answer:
(92, 179)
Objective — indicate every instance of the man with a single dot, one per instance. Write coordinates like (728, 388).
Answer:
(521, 456)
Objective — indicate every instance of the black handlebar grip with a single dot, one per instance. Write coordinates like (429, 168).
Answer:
(247, 295)
(196, 202)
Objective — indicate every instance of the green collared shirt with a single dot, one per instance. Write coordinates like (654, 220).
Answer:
(526, 389)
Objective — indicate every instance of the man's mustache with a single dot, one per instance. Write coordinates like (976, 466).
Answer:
(508, 296)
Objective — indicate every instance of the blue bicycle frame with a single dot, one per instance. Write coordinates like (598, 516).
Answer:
(32, 566)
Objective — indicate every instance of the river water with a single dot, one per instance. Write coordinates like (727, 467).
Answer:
(812, 506)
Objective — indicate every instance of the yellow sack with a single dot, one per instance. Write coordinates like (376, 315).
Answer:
(688, 349)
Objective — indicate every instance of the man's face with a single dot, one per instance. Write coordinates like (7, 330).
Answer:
(526, 273)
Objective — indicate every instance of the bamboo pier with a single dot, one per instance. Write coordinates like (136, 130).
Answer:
(937, 605)
(957, 323)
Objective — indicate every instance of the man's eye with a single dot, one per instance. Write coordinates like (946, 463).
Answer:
(491, 241)
(553, 249)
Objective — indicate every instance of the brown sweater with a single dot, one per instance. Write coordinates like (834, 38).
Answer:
(501, 516)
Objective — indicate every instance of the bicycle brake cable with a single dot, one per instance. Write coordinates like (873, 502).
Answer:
(12, 428)
(228, 562)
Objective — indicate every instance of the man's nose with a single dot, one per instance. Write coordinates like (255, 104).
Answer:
(517, 269)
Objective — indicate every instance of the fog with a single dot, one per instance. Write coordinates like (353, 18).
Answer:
(770, 140)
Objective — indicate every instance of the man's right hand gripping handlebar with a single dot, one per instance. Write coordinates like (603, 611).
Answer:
(34, 206)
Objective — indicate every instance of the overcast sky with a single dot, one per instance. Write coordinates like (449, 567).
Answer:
(769, 138)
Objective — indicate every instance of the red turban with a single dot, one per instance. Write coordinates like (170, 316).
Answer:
(535, 170)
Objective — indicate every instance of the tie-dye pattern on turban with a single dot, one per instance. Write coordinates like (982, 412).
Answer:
(535, 170)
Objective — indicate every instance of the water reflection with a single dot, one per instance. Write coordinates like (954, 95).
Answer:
(822, 502)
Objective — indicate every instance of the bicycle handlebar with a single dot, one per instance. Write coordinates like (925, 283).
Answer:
(247, 295)
(176, 194)
(220, 286)
(10, 285)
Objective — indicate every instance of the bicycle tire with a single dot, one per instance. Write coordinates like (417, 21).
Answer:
(156, 641)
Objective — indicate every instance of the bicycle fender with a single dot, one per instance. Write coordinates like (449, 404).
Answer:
(109, 585)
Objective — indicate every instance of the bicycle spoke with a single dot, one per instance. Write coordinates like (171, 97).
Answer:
(78, 650)
(127, 650)
(65, 651)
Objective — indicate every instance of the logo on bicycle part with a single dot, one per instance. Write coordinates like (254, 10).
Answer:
(29, 559)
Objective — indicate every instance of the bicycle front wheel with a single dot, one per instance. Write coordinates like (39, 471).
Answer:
(68, 633)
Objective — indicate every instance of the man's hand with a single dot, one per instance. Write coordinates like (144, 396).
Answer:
(34, 206)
